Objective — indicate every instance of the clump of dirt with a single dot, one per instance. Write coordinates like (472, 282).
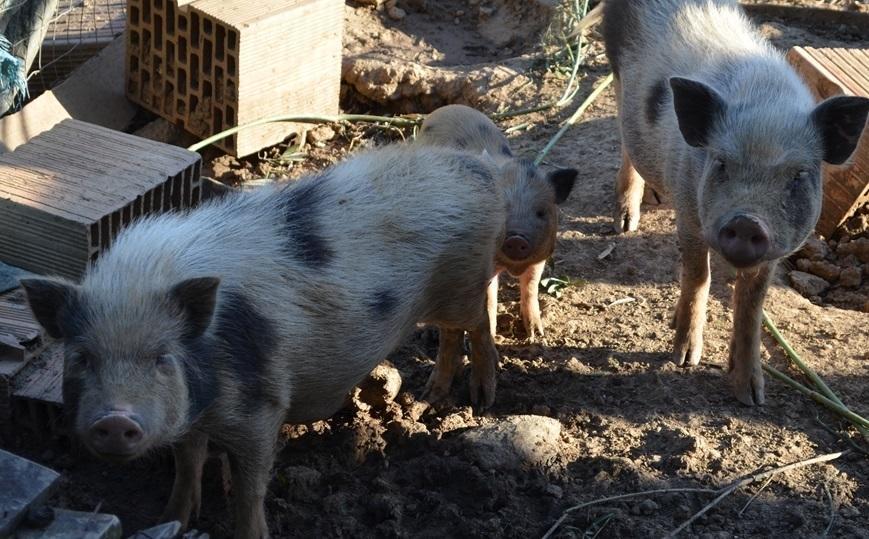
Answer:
(836, 272)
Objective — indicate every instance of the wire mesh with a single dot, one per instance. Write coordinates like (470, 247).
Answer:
(78, 30)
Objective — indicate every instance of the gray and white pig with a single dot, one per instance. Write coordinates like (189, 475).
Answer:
(269, 306)
(712, 114)
(532, 199)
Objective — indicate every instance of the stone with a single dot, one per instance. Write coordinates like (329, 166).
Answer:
(825, 270)
(858, 248)
(814, 249)
(381, 387)
(23, 485)
(851, 277)
(168, 530)
(514, 442)
(322, 133)
(396, 13)
(808, 284)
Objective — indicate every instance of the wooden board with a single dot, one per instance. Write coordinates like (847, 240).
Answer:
(829, 72)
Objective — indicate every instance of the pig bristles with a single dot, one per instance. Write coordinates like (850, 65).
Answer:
(722, 492)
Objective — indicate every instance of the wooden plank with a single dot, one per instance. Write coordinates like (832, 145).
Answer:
(42, 380)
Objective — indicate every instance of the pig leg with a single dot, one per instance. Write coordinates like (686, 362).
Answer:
(744, 364)
(629, 195)
(529, 284)
(484, 364)
(690, 314)
(447, 364)
(492, 305)
(251, 469)
(190, 455)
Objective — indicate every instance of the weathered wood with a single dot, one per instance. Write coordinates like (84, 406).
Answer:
(828, 72)
(215, 64)
(23, 484)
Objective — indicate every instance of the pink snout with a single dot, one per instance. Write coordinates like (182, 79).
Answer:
(516, 248)
(116, 435)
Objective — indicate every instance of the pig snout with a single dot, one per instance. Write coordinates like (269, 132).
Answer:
(515, 247)
(116, 434)
(743, 241)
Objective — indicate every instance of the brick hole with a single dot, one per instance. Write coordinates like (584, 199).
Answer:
(230, 65)
(196, 197)
(206, 56)
(134, 15)
(194, 30)
(231, 40)
(158, 5)
(146, 203)
(94, 256)
(182, 23)
(157, 64)
(105, 232)
(146, 12)
(167, 195)
(194, 104)
(220, 43)
(177, 191)
(186, 184)
(218, 120)
(145, 86)
(170, 19)
(206, 90)
(116, 223)
(180, 108)
(170, 55)
(168, 98)
(134, 63)
(126, 215)
(95, 235)
(134, 38)
(146, 44)
(158, 32)
(218, 83)
(194, 72)
(230, 116)
(231, 93)
(182, 50)
(207, 26)
(137, 207)
(156, 198)
(181, 79)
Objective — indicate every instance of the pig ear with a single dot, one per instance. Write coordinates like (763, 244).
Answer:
(50, 301)
(197, 299)
(840, 120)
(486, 157)
(698, 107)
(562, 181)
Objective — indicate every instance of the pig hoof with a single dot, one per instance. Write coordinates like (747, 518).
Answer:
(687, 352)
(748, 389)
(482, 393)
(626, 221)
(533, 330)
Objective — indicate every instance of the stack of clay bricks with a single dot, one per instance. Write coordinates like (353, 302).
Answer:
(829, 72)
(209, 65)
(67, 192)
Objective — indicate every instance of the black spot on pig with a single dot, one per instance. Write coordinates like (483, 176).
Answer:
(505, 150)
(247, 338)
(461, 143)
(655, 101)
(200, 376)
(302, 210)
(383, 304)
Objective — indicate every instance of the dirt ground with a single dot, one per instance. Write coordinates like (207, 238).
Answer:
(630, 420)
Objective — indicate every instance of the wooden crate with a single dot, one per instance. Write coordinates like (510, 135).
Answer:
(213, 64)
(66, 193)
(828, 72)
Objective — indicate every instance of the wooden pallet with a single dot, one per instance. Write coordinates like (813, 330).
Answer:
(829, 72)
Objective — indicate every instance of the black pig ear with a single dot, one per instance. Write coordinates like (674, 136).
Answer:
(698, 108)
(840, 121)
(197, 299)
(562, 181)
(53, 304)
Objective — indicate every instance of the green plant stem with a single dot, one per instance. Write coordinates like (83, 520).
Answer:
(574, 117)
(309, 119)
(832, 405)
(808, 371)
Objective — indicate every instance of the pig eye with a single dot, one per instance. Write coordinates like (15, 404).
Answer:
(164, 363)
(541, 214)
(720, 166)
(802, 176)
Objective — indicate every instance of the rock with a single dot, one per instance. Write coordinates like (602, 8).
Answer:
(525, 441)
(79, 525)
(866, 306)
(25, 485)
(814, 249)
(381, 387)
(825, 270)
(858, 248)
(541, 409)
(396, 13)
(555, 491)
(851, 277)
(321, 133)
(803, 264)
(808, 284)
